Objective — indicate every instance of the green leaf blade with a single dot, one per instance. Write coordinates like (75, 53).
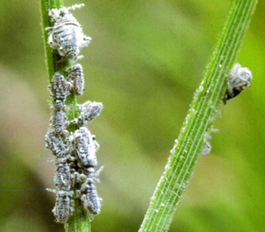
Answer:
(199, 120)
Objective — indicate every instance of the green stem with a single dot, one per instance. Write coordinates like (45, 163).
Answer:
(199, 120)
(51, 60)
(80, 221)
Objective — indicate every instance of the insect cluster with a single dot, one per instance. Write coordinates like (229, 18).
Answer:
(239, 79)
(74, 151)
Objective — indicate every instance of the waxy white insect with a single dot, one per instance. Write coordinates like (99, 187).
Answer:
(54, 143)
(89, 194)
(63, 208)
(76, 79)
(90, 198)
(88, 111)
(57, 120)
(66, 35)
(85, 147)
(58, 90)
(239, 79)
(62, 177)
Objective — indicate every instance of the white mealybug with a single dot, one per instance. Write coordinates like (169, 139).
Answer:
(89, 196)
(239, 79)
(59, 90)
(63, 208)
(54, 143)
(62, 175)
(76, 79)
(85, 147)
(66, 35)
(57, 120)
(88, 111)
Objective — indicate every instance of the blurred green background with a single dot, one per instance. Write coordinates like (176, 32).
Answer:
(144, 63)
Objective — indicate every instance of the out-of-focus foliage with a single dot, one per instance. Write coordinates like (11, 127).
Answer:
(145, 61)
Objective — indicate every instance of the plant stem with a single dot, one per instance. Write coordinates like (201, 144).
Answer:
(80, 221)
(51, 59)
(199, 120)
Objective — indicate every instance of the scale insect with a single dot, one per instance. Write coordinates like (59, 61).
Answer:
(63, 208)
(239, 79)
(62, 178)
(85, 147)
(54, 143)
(57, 121)
(89, 195)
(88, 111)
(76, 79)
(58, 90)
(91, 200)
(66, 36)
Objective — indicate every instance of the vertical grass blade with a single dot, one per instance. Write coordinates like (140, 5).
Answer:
(199, 120)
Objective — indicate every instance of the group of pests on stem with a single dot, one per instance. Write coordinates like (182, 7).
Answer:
(74, 151)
